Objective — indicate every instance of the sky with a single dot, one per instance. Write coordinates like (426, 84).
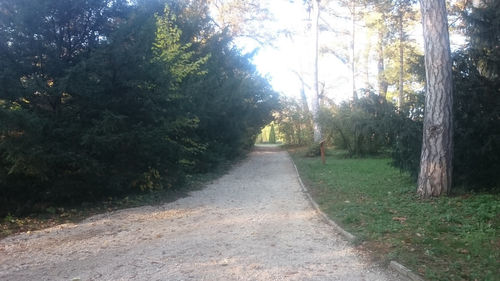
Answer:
(290, 55)
(278, 62)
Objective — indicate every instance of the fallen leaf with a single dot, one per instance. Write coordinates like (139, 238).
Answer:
(400, 219)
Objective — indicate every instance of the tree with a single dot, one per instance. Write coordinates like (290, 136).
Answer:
(403, 13)
(382, 80)
(244, 18)
(375, 19)
(361, 127)
(303, 97)
(476, 71)
(352, 8)
(294, 122)
(437, 148)
(102, 98)
(315, 99)
(40, 39)
(272, 135)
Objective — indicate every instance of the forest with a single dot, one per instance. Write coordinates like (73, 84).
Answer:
(106, 98)
(386, 113)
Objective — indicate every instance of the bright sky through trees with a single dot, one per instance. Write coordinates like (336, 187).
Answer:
(287, 54)
(290, 53)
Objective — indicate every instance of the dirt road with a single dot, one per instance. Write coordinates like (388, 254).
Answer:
(252, 224)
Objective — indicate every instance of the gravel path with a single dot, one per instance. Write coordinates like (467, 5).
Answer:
(251, 224)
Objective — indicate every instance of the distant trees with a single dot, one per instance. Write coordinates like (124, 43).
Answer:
(272, 135)
(476, 77)
(395, 53)
(476, 102)
(403, 13)
(295, 122)
(102, 98)
(317, 134)
(243, 18)
(362, 127)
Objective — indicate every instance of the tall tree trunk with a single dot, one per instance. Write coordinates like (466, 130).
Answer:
(401, 61)
(437, 147)
(353, 54)
(315, 100)
(382, 81)
(303, 96)
(303, 99)
(367, 62)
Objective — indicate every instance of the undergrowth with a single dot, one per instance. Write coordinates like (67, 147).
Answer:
(55, 215)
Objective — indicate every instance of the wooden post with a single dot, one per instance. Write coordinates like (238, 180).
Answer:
(322, 148)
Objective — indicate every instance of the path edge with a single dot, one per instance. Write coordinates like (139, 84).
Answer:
(402, 270)
(348, 236)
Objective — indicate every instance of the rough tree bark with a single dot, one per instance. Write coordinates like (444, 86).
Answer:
(315, 99)
(437, 148)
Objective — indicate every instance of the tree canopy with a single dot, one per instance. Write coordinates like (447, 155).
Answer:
(103, 98)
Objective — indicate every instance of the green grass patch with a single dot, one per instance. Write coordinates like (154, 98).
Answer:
(448, 238)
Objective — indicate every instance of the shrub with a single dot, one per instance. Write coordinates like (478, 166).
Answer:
(362, 127)
(313, 150)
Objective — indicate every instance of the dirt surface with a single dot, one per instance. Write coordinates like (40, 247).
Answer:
(252, 224)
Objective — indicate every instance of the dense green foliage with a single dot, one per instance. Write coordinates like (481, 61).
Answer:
(448, 238)
(477, 99)
(405, 150)
(294, 122)
(362, 127)
(101, 98)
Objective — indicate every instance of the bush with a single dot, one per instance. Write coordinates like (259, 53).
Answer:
(362, 127)
(295, 123)
(313, 150)
(476, 126)
(133, 111)
(408, 136)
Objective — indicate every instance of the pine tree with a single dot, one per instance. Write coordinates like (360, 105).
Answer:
(437, 148)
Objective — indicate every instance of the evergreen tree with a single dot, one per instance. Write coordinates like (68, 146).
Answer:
(477, 99)
(102, 98)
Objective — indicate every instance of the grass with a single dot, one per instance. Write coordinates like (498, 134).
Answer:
(448, 238)
(52, 216)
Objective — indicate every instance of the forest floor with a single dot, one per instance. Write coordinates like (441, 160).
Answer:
(254, 223)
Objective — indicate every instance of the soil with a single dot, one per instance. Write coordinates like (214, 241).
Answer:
(254, 223)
